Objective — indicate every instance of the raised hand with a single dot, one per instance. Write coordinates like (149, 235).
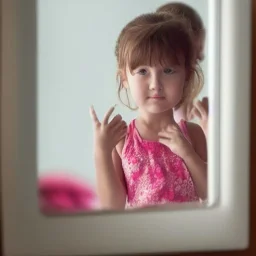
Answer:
(107, 134)
(201, 110)
(173, 138)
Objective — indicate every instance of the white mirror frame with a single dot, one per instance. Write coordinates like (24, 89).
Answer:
(221, 225)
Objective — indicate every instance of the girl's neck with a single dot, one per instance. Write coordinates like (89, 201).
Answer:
(157, 121)
(179, 114)
(183, 112)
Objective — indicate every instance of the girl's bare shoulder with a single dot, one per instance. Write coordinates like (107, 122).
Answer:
(198, 139)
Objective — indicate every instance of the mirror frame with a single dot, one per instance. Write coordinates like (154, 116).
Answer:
(228, 227)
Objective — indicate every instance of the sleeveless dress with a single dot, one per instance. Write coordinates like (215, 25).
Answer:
(153, 173)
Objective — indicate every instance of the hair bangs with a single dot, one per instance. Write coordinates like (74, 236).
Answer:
(155, 47)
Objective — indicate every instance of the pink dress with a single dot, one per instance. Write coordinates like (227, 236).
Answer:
(153, 173)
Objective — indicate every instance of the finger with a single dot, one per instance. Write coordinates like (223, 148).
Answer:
(173, 128)
(176, 127)
(201, 108)
(122, 131)
(107, 115)
(164, 141)
(189, 106)
(205, 102)
(94, 116)
(197, 113)
(190, 114)
(122, 135)
(119, 126)
(165, 134)
(115, 120)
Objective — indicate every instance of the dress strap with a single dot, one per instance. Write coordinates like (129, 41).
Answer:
(184, 129)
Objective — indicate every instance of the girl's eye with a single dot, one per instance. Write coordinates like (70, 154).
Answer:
(142, 72)
(168, 71)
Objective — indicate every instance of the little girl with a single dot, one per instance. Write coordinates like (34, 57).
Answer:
(198, 109)
(153, 160)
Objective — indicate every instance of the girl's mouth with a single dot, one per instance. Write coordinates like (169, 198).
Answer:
(156, 97)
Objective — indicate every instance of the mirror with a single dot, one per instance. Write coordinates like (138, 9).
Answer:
(77, 68)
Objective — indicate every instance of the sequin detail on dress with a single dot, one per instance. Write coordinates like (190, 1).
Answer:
(153, 173)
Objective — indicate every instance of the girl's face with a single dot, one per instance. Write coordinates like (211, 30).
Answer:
(156, 89)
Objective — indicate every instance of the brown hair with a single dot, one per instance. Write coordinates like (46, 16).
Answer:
(157, 38)
(184, 10)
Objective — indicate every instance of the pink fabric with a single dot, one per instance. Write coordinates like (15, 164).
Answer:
(184, 129)
(62, 193)
(153, 173)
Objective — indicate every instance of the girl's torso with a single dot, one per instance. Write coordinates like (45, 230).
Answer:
(153, 173)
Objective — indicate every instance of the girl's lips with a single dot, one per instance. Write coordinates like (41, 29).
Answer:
(157, 97)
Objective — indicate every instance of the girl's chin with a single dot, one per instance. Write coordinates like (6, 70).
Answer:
(159, 110)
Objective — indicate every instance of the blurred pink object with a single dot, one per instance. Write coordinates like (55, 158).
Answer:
(63, 193)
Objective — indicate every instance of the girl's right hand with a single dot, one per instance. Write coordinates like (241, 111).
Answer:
(108, 134)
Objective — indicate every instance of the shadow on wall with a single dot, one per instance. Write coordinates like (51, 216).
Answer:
(63, 193)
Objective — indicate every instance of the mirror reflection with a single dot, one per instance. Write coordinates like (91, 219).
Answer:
(122, 104)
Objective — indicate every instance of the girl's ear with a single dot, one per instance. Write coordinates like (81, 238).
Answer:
(125, 84)
(123, 80)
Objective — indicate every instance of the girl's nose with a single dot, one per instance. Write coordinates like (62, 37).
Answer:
(155, 83)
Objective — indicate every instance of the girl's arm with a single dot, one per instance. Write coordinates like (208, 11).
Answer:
(107, 135)
(194, 156)
(196, 161)
(110, 180)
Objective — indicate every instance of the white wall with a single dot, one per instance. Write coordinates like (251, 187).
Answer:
(77, 68)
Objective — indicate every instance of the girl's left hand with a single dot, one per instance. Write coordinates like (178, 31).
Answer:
(201, 110)
(173, 138)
